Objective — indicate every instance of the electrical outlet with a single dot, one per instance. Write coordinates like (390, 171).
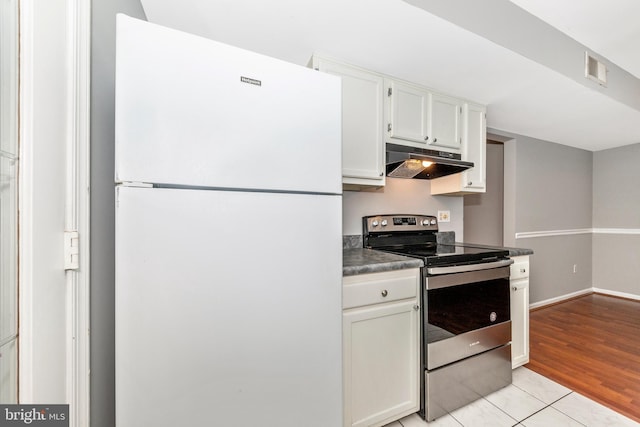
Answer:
(444, 216)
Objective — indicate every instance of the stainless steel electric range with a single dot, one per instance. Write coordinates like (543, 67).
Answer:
(466, 325)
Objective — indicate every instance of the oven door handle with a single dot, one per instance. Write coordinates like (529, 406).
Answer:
(469, 267)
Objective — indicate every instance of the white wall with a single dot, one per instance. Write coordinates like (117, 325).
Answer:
(400, 196)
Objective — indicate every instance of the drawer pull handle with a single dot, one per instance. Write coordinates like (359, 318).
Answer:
(384, 293)
(523, 270)
(416, 307)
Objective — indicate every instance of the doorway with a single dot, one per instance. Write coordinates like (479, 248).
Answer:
(484, 212)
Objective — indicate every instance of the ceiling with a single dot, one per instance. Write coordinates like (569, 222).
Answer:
(523, 96)
(611, 28)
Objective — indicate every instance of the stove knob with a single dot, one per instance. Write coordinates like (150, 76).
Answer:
(433, 222)
(374, 223)
(384, 223)
(425, 222)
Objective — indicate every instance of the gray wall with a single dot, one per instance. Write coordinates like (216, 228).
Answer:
(548, 188)
(616, 205)
(102, 205)
(400, 196)
(483, 212)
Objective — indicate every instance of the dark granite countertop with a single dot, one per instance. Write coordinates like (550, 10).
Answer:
(512, 251)
(362, 261)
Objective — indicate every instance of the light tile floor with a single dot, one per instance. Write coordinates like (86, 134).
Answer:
(531, 401)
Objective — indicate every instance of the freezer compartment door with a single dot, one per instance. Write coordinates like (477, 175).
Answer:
(192, 111)
(228, 308)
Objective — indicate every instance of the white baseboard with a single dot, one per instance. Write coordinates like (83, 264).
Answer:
(617, 294)
(583, 292)
(560, 298)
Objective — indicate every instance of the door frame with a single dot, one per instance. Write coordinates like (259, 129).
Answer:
(72, 355)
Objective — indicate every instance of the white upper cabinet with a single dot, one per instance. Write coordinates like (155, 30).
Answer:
(446, 113)
(474, 149)
(362, 123)
(419, 117)
(379, 109)
(408, 113)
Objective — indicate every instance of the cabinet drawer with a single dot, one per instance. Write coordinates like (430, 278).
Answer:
(379, 288)
(519, 270)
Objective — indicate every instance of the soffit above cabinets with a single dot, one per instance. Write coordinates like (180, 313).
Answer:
(418, 42)
(608, 27)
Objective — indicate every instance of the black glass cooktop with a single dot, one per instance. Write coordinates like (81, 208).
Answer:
(441, 255)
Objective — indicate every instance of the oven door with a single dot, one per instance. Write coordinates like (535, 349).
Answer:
(466, 312)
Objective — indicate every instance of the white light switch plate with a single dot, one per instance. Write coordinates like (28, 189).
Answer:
(444, 216)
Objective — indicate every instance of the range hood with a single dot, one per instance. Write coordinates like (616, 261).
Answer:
(419, 163)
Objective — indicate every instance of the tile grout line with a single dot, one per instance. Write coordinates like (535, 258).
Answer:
(550, 405)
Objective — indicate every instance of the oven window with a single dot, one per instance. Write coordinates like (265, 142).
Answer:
(458, 309)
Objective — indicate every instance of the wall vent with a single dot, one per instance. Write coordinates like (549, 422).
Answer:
(595, 70)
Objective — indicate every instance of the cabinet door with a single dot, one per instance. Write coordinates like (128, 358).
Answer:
(473, 149)
(362, 129)
(474, 146)
(445, 121)
(519, 311)
(381, 363)
(519, 322)
(408, 111)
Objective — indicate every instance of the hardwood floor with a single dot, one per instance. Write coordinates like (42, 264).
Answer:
(591, 345)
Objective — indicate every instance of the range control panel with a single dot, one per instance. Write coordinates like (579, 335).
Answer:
(394, 223)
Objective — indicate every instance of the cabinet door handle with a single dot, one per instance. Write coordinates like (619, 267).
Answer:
(435, 139)
(515, 288)
(469, 183)
(384, 293)
(426, 138)
(416, 307)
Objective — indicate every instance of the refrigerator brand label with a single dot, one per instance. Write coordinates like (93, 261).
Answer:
(250, 81)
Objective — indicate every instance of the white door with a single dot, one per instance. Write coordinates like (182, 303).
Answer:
(228, 308)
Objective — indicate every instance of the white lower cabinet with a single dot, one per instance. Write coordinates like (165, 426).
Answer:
(519, 283)
(381, 339)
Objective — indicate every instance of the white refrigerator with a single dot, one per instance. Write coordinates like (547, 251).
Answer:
(228, 235)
